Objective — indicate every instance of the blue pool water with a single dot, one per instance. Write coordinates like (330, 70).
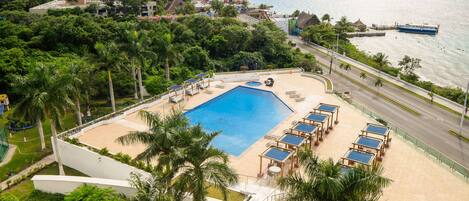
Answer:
(253, 83)
(243, 115)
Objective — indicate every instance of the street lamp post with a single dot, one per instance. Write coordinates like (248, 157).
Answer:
(332, 53)
(463, 113)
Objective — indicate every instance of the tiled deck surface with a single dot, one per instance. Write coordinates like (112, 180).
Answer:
(414, 175)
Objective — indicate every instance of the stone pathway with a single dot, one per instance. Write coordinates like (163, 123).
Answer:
(26, 172)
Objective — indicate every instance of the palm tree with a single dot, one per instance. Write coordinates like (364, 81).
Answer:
(167, 52)
(137, 49)
(323, 180)
(381, 59)
(378, 83)
(162, 136)
(326, 18)
(47, 92)
(76, 82)
(363, 75)
(108, 59)
(204, 166)
(184, 149)
(158, 187)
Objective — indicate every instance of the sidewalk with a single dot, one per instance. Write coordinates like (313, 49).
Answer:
(26, 172)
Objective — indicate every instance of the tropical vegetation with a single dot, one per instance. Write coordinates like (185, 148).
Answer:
(183, 150)
(327, 180)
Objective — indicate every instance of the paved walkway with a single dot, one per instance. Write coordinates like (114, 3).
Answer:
(431, 127)
(26, 172)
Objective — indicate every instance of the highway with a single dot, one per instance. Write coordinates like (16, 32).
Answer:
(430, 127)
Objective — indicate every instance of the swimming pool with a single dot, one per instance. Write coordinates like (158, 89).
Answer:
(243, 115)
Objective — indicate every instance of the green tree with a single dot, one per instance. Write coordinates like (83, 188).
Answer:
(253, 60)
(322, 34)
(158, 187)
(137, 47)
(408, 66)
(379, 83)
(381, 59)
(296, 13)
(229, 11)
(197, 58)
(161, 137)
(205, 166)
(217, 6)
(323, 180)
(167, 52)
(108, 59)
(46, 91)
(343, 26)
(90, 192)
(363, 75)
(326, 18)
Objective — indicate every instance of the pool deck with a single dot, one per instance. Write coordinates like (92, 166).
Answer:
(415, 176)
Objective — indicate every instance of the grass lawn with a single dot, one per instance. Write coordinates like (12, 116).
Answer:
(232, 195)
(24, 189)
(28, 152)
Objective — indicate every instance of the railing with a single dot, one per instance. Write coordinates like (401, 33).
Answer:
(109, 116)
(454, 166)
(411, 87)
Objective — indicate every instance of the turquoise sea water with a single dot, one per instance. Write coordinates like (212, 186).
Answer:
(243, 115)
(445, 57)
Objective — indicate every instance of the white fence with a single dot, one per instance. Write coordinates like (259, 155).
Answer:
(66, 184)
(94, 164)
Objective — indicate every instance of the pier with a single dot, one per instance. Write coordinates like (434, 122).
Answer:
(366, 34)
(383, 27)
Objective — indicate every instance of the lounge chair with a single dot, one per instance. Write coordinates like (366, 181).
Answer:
(192, 91)
(176, 98)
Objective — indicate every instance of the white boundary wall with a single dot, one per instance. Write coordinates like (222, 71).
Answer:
(66, 184)
(94, 164)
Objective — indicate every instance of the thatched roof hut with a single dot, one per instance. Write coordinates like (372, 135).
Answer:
(305, 19)
(359, 25)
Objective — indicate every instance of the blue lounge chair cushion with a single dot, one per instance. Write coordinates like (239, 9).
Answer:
(327, 108)
(306, 128)
(316, 117)
(369, 142)
(277, 154)
(292, 139)
(380, 130)
(360, 156)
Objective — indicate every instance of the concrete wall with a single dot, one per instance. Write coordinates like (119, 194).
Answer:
(93, 164)
(66, 184)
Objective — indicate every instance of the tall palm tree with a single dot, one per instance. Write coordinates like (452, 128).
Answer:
(161, 138)
(381, 59)
(204, 165)
(137, 48)
(75, 70)
(108, 59)
(167, 52)
(323, 180)
(186, 150)
(48, 94)
(158, 187)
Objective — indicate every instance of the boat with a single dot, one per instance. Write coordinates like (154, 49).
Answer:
(419, 28)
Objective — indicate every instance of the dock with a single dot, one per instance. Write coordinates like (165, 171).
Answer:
(383, 27)
(366, 34)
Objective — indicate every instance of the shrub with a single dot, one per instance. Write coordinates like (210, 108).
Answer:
(40, 196)
(104, 151)
(89, 192)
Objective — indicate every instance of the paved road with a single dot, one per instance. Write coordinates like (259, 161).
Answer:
(431, 127)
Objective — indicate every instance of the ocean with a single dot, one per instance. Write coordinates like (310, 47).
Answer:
(445, 56)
